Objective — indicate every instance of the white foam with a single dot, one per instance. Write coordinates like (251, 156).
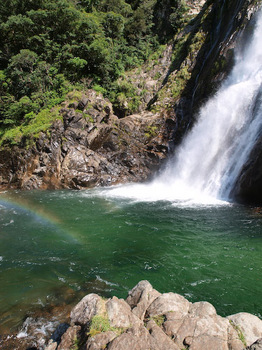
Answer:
(178, 193)
(111, 284)
(39, 330)
(206, 165)
(8, 223)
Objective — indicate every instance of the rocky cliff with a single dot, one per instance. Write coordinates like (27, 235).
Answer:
(88, 146)
(94, 143)
(147, 320)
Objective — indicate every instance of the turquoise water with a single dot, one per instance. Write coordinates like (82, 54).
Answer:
(56, 246)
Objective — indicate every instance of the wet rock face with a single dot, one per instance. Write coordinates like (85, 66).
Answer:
(248, 187)
(88, 146)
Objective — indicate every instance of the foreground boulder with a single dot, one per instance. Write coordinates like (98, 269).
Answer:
(149, 320)
(249, 325)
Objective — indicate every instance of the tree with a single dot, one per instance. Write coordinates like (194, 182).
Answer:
(113, 24)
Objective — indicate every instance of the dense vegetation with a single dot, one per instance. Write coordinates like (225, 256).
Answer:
(49, 47)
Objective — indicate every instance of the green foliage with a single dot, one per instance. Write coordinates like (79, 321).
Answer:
(159, 319)
(176, 17)
(100, 323)
(11, 136)
(117, 6)
(113, 24)
(99, 89)
(38, 122)
(74, 96)
(49, 46)
(76, 344)
(19, 109)
(180, 81)
(124, 96)
(239, 332)
(88, 117)
(151, 131)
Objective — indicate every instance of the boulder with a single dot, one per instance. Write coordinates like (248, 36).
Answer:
(158, 338)
(134, 295)
(209, 333)
(52, 345)
(140, 297)
(70, 338)
(148, 320)
(256, 346)
(205, 342)
(91, 305)
(120, 315)
(59, 331)
(172, 324)
(250, 325)
(202, 309)
(100, 341)
(135, 338)
(201, 329)
(169, 302)
(234, 341)
(82, 103)
(84, 168)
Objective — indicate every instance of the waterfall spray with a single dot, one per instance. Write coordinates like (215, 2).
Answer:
(207, 164)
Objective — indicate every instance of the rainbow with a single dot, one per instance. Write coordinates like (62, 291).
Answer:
(40, 214)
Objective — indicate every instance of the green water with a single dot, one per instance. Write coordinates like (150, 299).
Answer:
(56, 246)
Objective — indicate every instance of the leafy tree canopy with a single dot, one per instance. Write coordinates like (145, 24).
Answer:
(49, 46)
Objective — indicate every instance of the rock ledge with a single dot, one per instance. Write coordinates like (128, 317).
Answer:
(148, 320)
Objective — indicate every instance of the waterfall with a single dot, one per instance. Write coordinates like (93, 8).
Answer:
(206, 165)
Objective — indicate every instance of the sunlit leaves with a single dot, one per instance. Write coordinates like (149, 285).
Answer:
(46, 45)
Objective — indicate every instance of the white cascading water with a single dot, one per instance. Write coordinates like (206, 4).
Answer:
(209, 160)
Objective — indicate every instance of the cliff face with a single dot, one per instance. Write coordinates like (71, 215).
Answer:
(88, 145)
(203, 56)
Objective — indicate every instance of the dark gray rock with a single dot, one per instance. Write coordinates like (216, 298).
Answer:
(256, 346)
(59, 331)
(87, 149)
(248, 187)
(82, 103)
